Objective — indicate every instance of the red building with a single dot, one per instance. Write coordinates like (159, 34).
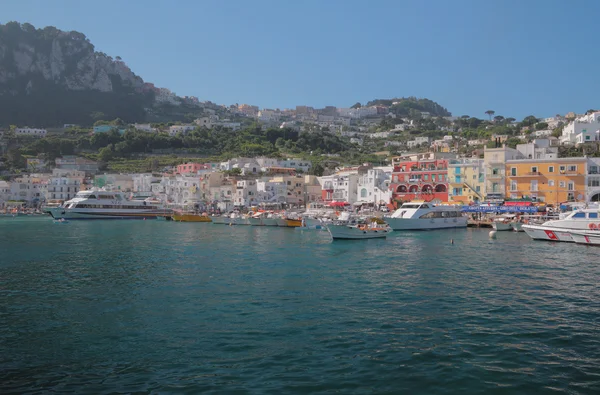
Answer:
(420, 178)
(192, 168)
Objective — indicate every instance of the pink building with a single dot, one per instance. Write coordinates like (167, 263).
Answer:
(191, 168)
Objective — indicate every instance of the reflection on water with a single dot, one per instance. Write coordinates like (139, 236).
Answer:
(154, 306)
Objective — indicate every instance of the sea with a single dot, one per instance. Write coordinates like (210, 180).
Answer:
(154, 307)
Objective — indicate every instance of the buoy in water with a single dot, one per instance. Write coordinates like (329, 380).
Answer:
(493, 234)
(451, 241)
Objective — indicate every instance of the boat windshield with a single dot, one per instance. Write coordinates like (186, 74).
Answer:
(411, 205)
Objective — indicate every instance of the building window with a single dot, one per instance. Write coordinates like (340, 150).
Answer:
(572, 168)
(513, 186)
(513, 171)
(561, 184)
(550, 169)
(551, 183)
(561, 169)
(571, 186)
(534, 169)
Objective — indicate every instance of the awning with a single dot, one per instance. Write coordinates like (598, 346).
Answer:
(517, 204)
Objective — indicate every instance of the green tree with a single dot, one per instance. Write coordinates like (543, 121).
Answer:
(490, 113)
(356, 105)
(541, 126)
(106, 153)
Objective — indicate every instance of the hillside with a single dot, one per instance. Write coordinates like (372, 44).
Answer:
(402, 106)
(49, 77)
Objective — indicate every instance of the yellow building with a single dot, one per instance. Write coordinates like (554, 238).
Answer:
(552, 181)
(466, 180)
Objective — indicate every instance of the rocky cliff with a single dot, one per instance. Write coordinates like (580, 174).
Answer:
(50, 77)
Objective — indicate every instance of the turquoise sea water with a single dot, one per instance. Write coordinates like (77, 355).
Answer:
(162, 307)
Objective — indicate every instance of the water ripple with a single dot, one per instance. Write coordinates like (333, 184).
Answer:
(151, 307)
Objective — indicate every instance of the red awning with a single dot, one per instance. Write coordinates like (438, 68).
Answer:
(338, 204)
(517, 204)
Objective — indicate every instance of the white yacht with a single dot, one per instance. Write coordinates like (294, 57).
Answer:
(425, 216)
(99, 204)
(582, 220)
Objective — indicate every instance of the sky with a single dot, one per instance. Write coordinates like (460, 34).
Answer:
(516, 57)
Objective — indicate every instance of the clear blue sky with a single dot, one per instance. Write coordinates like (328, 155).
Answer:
(517, 57)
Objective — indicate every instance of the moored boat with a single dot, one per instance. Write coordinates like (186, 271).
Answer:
(592, 238)
(578, 221)
(502, 224)
(100, 204)
(425, 216)
(345, 231)
(190, 217)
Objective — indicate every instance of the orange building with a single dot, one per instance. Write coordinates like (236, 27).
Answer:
(552, 181)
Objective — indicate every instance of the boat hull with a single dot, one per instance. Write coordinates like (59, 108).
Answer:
(255, 221)
(517, 226)
(190, 218)
(586, 238)
(425, 224)
(548, 233)
(293, 223)
(220, 220)
(501, 226)
(345, 232)
(58, 213)
(282, 222)
(269, 222)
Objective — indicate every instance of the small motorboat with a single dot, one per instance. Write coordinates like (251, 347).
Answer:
(61, 221)
(342, 230)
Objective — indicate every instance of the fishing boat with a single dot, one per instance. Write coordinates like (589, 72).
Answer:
(262, 218)
(577, 221)
(101, 204)
(220, 219)
(502, 223)
(425, 216)
(347, 230)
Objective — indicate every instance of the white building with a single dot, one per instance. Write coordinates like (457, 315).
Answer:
(374, 186)
(418, 141)
(173, 130)
(593, 180)
(340, 187)
(4, 193)
(204, 122)
(476, 142)
(269, 115)
(64, 184)
(538, 149)
(582, 129)
(246, 193)
(144, 127)
(380, 135)
(271, 191)
(296, 163)
(26, 131)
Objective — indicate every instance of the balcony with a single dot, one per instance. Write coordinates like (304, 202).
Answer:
(528, 174)
(497, 176)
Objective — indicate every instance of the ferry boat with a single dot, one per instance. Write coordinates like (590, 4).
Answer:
(425, 216)
(581, 220)
(98, 204)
